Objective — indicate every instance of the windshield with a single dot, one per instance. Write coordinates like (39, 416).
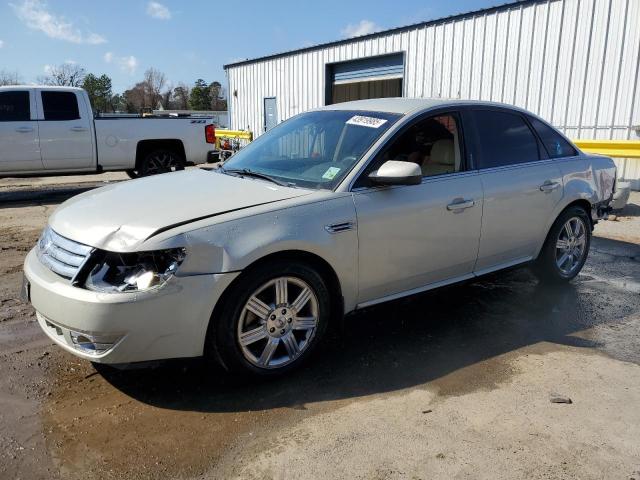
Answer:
(314, 149)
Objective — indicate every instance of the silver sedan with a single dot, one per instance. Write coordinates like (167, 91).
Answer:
(333, 210)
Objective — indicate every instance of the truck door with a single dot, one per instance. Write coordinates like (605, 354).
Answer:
(19, 147)
(65, 131)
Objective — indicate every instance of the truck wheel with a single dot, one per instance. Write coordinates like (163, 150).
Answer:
(132, 174)
(160, 161)
(566, 248)
(272, 320)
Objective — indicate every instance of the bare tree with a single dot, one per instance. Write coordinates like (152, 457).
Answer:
(9, 78)
(65, 75)
(154, 81)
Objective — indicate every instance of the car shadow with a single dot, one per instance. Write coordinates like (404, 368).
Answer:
(402, 344)
(24, 197)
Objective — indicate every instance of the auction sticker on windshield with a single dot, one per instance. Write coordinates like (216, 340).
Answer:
(331, 173)
(363, 121)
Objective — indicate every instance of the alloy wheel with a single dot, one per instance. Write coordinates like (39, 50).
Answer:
(278, 322)
(571, 245)
(161, 162)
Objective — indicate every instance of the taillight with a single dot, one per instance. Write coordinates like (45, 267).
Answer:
(210, 133)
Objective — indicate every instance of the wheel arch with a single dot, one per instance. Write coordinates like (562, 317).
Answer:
(578, 202)
(323, 267)
(144, 147)
(313, 260)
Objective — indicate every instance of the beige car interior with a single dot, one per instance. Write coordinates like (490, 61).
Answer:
(433, 144)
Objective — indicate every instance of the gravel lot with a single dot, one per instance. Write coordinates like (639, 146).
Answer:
(454, 383)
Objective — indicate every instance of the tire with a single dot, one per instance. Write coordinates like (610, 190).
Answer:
(132, 174)
(559, 263)
(160, 161)
(280, 340)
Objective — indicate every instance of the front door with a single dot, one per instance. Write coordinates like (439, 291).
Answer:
(20, 148)
(418, 236)
(270, 113)
(66, 137)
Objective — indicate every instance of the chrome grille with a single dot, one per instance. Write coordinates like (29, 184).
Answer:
(61, 255)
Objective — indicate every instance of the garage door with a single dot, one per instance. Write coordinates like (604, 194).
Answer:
(375, 77)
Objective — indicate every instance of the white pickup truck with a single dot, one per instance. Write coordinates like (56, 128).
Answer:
(52, 130)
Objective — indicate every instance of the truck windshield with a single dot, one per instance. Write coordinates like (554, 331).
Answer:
(312, 150)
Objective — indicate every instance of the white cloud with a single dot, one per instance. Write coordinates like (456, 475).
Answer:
(70, 62)
(1, 43)
(364, 27)
(158, 10)
(47, 69)
(35, 15)
(127, 63)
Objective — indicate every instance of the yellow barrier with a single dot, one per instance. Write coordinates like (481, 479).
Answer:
(239, 134)
(611, 148)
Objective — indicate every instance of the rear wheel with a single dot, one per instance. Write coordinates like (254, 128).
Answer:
(272, 320)
(160, 161)
(567, 246)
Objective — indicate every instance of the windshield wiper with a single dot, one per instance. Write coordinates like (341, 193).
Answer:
(251, 173)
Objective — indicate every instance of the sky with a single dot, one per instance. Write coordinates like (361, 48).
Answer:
(188, 39)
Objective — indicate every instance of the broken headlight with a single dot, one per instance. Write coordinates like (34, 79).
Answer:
(133, 272)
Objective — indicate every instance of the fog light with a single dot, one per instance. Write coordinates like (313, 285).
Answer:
(93, 344)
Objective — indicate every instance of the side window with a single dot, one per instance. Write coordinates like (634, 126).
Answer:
(433, 144)
(60, 106)
(556, 146)
(14, 106)
(505, 139)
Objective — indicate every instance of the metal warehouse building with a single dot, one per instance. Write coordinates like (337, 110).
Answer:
(573, 62)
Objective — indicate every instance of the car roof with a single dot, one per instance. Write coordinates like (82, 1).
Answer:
(403, 105)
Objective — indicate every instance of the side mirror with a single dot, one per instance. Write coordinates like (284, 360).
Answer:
(393, 172)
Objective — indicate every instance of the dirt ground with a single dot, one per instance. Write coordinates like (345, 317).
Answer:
(451, 384)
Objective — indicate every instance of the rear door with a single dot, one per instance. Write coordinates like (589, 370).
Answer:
(66, 137)
(521, 187)
(19, 146)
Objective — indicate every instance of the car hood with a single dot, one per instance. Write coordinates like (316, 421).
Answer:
(120, 216)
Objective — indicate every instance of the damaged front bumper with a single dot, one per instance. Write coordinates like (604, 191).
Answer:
(115, 328)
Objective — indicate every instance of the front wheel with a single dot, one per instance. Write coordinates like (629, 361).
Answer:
(567, 246)
(273, 319)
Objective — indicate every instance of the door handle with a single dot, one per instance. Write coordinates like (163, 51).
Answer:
(78, 129)
(549, 186)
(460, 204)
(24, 129)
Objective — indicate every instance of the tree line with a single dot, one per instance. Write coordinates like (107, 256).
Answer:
(154, 92)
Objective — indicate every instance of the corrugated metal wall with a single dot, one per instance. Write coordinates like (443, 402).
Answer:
(574, 62)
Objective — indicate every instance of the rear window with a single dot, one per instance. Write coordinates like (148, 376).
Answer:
(14, 106)
(505, 139)
(60, 106)
(554, 144)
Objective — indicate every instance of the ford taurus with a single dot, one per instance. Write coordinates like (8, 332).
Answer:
(333, 210)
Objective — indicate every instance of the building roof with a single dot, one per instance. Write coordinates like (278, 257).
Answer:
(403, 105)
(451, 18)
